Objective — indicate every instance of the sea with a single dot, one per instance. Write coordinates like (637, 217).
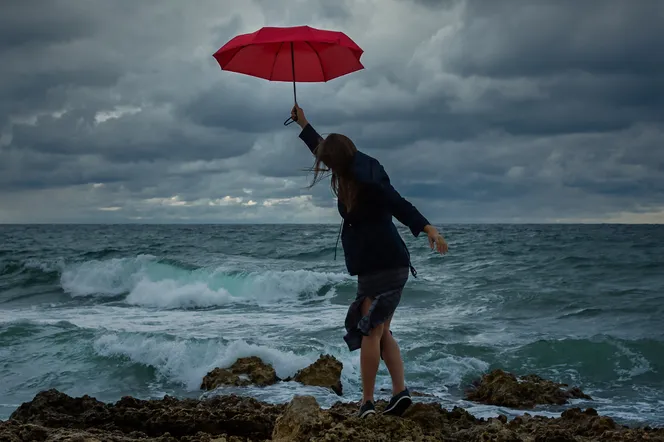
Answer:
(148, 310)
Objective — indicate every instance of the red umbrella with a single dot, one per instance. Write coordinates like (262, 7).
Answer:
(299, 53)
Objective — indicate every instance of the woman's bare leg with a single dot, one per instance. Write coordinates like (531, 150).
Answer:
(369, 356)
(392, 358)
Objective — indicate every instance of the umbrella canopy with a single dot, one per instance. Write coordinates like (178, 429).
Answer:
(299, 53)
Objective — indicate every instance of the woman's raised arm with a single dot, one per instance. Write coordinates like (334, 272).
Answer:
(308, 134)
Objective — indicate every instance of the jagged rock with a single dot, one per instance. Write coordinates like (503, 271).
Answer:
(53, 416)
(245, 371)
(52, 408)
(301, 419)
(505, 389)
(217, 416)
(494, 430)
(325, 372)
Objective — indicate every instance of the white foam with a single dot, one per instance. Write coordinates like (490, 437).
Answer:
(44, 265)
(187, 361)
(447, 369)
(640, 364)
(111, 277)
(149, 283)
(284, 284)
(169, 294)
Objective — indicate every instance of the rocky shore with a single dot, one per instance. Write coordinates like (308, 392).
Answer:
(55, 416)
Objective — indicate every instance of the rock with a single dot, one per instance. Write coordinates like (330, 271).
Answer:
(219, 416)
(245, 371)
(419, 394)
(52, 408)
(301, 419)
(55, 417)
(493, 431)
(554, 435)
(412, 393)
(505, 389)
(325, 372)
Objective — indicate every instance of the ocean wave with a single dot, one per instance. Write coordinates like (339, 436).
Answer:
(583, 313)
(187, 361)
(149, 282)
(102, 253)
(35, 268)
(310, 255)
(595, 360)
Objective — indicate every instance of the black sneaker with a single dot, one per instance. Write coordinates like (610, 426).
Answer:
(398, 404)
(366, 410)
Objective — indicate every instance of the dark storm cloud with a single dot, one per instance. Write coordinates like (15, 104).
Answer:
(127, 138)
(541, 38)
(28, 23)
(478, 109)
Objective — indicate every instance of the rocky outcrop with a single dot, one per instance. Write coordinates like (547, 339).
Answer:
(505, 389)
(325, 372)
(177, 418)
(54, 416)
(245, 371)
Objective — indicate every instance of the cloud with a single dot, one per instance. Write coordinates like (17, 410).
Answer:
(480, 111)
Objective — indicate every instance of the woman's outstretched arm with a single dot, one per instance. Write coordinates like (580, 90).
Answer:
(406, 213)
(308, 134)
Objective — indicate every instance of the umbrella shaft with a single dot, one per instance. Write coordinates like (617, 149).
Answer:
(292, 54)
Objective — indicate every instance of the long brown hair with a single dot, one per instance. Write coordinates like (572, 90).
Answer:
(334, 156)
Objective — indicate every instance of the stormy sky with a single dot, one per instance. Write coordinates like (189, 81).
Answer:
(480, 111)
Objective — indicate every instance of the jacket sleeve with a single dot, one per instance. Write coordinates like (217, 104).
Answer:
(310, 137)
(401, 208)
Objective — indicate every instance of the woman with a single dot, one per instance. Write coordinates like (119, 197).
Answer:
(374, 252)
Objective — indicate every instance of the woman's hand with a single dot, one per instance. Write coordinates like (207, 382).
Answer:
(297, 114)
(436, 239)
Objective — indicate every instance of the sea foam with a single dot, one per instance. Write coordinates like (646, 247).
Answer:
(145, 281)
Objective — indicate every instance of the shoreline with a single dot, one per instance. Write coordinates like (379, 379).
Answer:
(53, 415)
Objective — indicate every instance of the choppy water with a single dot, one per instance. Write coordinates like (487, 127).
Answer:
(148, 310)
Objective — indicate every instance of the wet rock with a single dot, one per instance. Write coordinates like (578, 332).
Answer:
(245, 371)
(301, 419)
(53, 416)
(494, 430)
(218, 416)
(505, 389)
(420, 394)
(325, 372)
(52, 408)
(554, 435)
(412, 393)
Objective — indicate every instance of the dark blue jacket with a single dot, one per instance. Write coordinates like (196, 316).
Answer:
(370, 239)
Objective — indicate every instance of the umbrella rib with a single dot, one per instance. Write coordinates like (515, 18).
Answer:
(275, 60)
(320, 62)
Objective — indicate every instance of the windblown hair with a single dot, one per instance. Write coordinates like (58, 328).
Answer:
(334, 156)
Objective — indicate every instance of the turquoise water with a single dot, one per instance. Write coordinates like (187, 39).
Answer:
(148, 310)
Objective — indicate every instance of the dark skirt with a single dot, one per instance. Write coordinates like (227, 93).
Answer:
(385, 288)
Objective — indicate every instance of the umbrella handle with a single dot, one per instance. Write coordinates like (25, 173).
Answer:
(292, 120)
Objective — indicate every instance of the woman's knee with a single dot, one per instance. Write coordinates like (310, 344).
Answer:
(377, 331)
(386, 327)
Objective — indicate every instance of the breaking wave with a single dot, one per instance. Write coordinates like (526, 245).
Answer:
(146, 281)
